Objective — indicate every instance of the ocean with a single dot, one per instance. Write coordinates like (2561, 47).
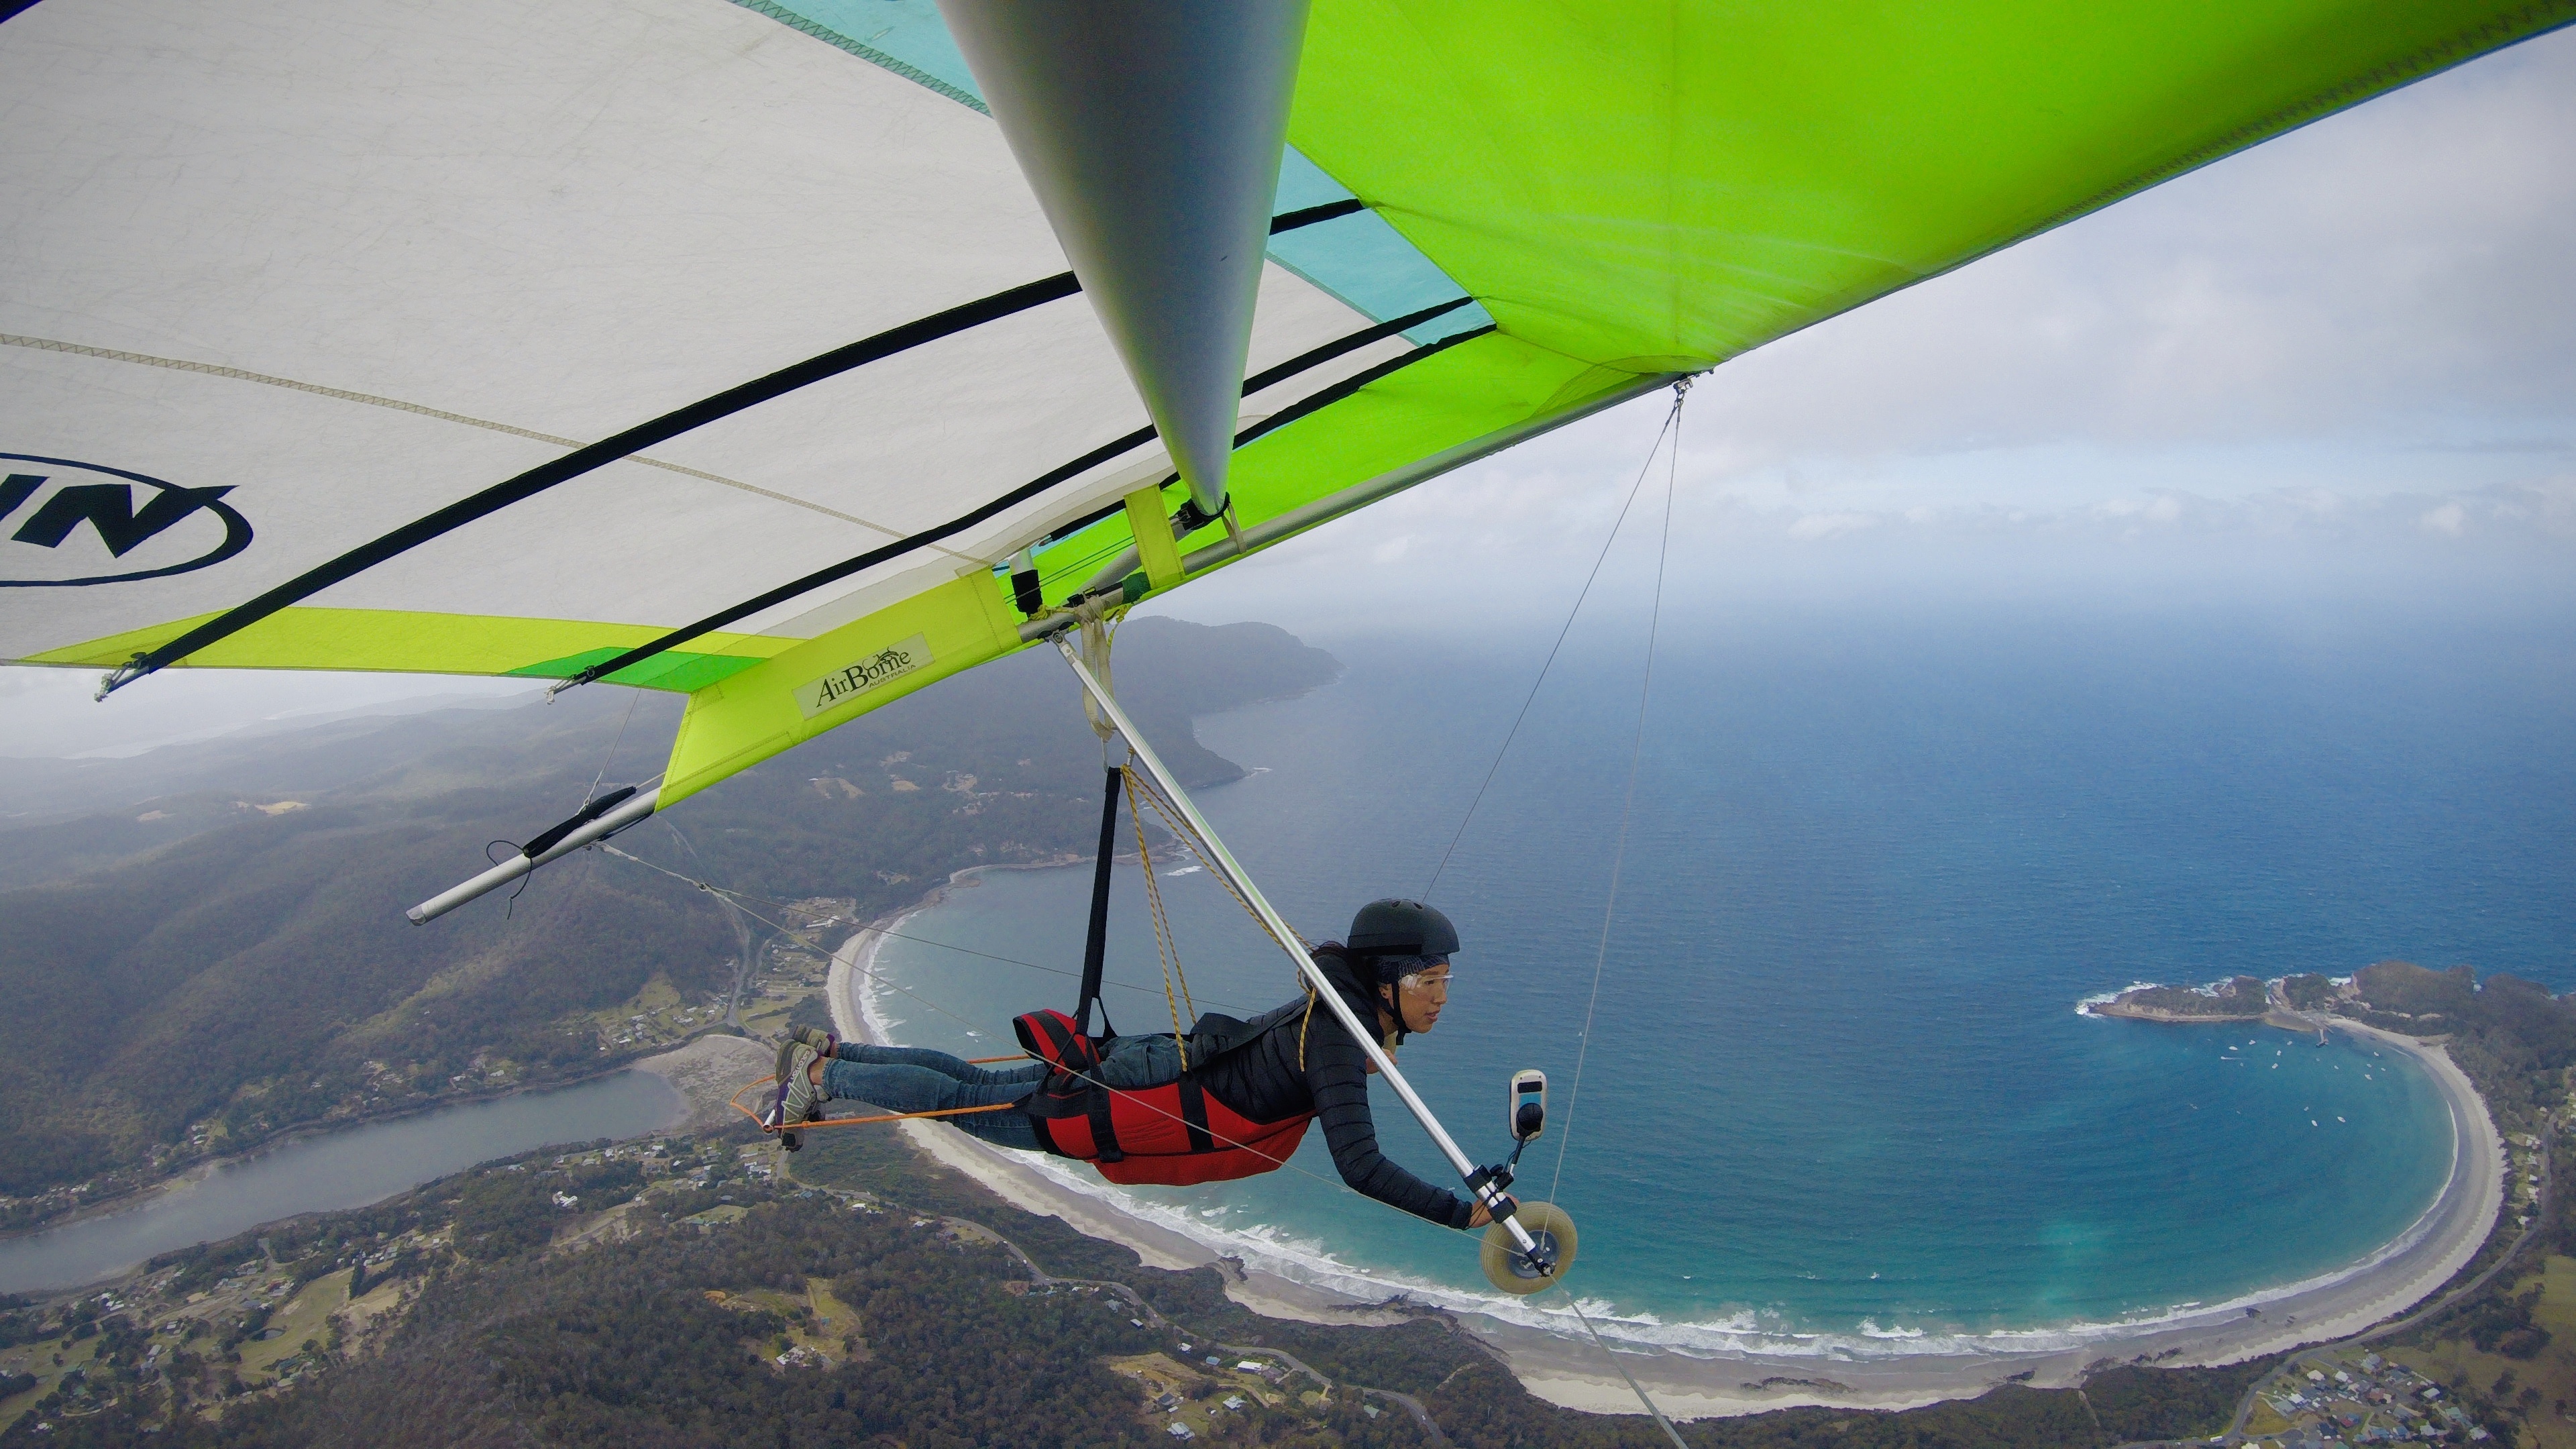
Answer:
(1837, 1097)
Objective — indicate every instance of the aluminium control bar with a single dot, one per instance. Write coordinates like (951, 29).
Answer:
(632, 811)
(1223, 860)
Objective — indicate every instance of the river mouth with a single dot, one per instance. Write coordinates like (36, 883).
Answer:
(335, 1171)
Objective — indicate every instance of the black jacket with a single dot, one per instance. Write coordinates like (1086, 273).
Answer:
(1253, 1067)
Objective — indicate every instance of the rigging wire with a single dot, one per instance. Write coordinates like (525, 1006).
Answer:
(633, 698)
(789, 932)
(1665, 1424)
(953, 1016)
(1189, 840)
(737, 897)
(1181, 830)
(1618, 859)
(1333, 1184)
(962, 1021)
(1628, 806)
(1672, 421)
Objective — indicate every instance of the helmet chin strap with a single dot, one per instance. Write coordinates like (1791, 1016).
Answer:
(1395, 1008)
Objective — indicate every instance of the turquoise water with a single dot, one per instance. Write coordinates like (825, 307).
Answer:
(1838, 1096)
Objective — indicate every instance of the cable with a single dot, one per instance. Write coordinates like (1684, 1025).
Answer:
(1666, 1424)
(1636, 751)
(961, 1021)
(1473, 1243)
(1671, 420)
(736, 898)
(1609, 908)
(633, 698)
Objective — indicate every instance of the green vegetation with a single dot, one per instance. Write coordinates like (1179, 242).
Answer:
(736, 1308)
(2307, 991)
(2502, 1360)
(265, 947)
(2236, 997)
(2510, 1036)
(623, 1295)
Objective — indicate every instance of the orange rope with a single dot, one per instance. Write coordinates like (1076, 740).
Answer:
(736, 1102)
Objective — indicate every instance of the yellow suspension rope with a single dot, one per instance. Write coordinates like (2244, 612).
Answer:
(1164, 950)
(1173, 821)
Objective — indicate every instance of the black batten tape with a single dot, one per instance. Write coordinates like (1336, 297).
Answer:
(696, 415)
(1049, 479)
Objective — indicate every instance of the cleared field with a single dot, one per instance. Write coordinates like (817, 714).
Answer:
(305, 1316)
(2552, 1371)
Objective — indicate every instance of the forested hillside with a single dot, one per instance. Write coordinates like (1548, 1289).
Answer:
(2514, 1039)
(230, 960)
(683, 1297)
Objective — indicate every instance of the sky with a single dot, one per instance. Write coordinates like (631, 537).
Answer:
(2343, 361)
(2344, 358)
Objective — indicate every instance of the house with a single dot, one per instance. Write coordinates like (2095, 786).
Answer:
(1180, 1430)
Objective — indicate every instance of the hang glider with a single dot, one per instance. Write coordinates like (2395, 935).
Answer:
(736, 350)
(795, 354)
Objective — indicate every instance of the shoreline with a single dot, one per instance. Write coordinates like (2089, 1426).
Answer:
(204, 1168)
(1571, 1372)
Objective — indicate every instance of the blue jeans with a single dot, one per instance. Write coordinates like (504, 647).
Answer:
(916, 1079)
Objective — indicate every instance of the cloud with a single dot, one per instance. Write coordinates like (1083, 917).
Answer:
(2389, 279)
(2341, 357)
(1810, 527)
(2163, 508)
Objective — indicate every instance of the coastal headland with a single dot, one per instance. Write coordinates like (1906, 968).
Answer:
(1571, 1372)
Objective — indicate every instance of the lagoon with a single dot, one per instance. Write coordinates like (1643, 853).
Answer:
(342, 1169)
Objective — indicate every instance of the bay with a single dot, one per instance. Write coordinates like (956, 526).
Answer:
(1836, 1095)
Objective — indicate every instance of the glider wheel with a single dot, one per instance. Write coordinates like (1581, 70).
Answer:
(1510, 1269)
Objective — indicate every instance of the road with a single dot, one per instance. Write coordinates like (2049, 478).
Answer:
(2539, 1217)
(1043, 1279)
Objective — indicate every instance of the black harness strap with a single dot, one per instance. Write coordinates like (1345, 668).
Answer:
(1194, 1115)
(1104, 1131)
(1095, 947)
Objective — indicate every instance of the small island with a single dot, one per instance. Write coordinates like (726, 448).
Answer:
(2238, 998)
(2294, 1003)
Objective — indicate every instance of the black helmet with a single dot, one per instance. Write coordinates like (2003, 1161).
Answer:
(1401, 928)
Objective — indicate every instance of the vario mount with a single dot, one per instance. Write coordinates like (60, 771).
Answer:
(1507, 1266)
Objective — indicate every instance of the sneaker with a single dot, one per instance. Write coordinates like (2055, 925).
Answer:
(824, 1043)
(797, 1097)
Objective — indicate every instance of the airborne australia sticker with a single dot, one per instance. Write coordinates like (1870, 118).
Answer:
(855, 679)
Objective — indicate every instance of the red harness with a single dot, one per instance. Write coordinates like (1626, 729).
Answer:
(1175, 1135)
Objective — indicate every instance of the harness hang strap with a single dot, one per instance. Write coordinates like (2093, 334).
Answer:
(1095, 947)
(1104, 1127)
(1194, 1115)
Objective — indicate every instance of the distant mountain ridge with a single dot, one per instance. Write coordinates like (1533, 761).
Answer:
(200, 970)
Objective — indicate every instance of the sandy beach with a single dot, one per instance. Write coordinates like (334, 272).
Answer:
(1571, 1371)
